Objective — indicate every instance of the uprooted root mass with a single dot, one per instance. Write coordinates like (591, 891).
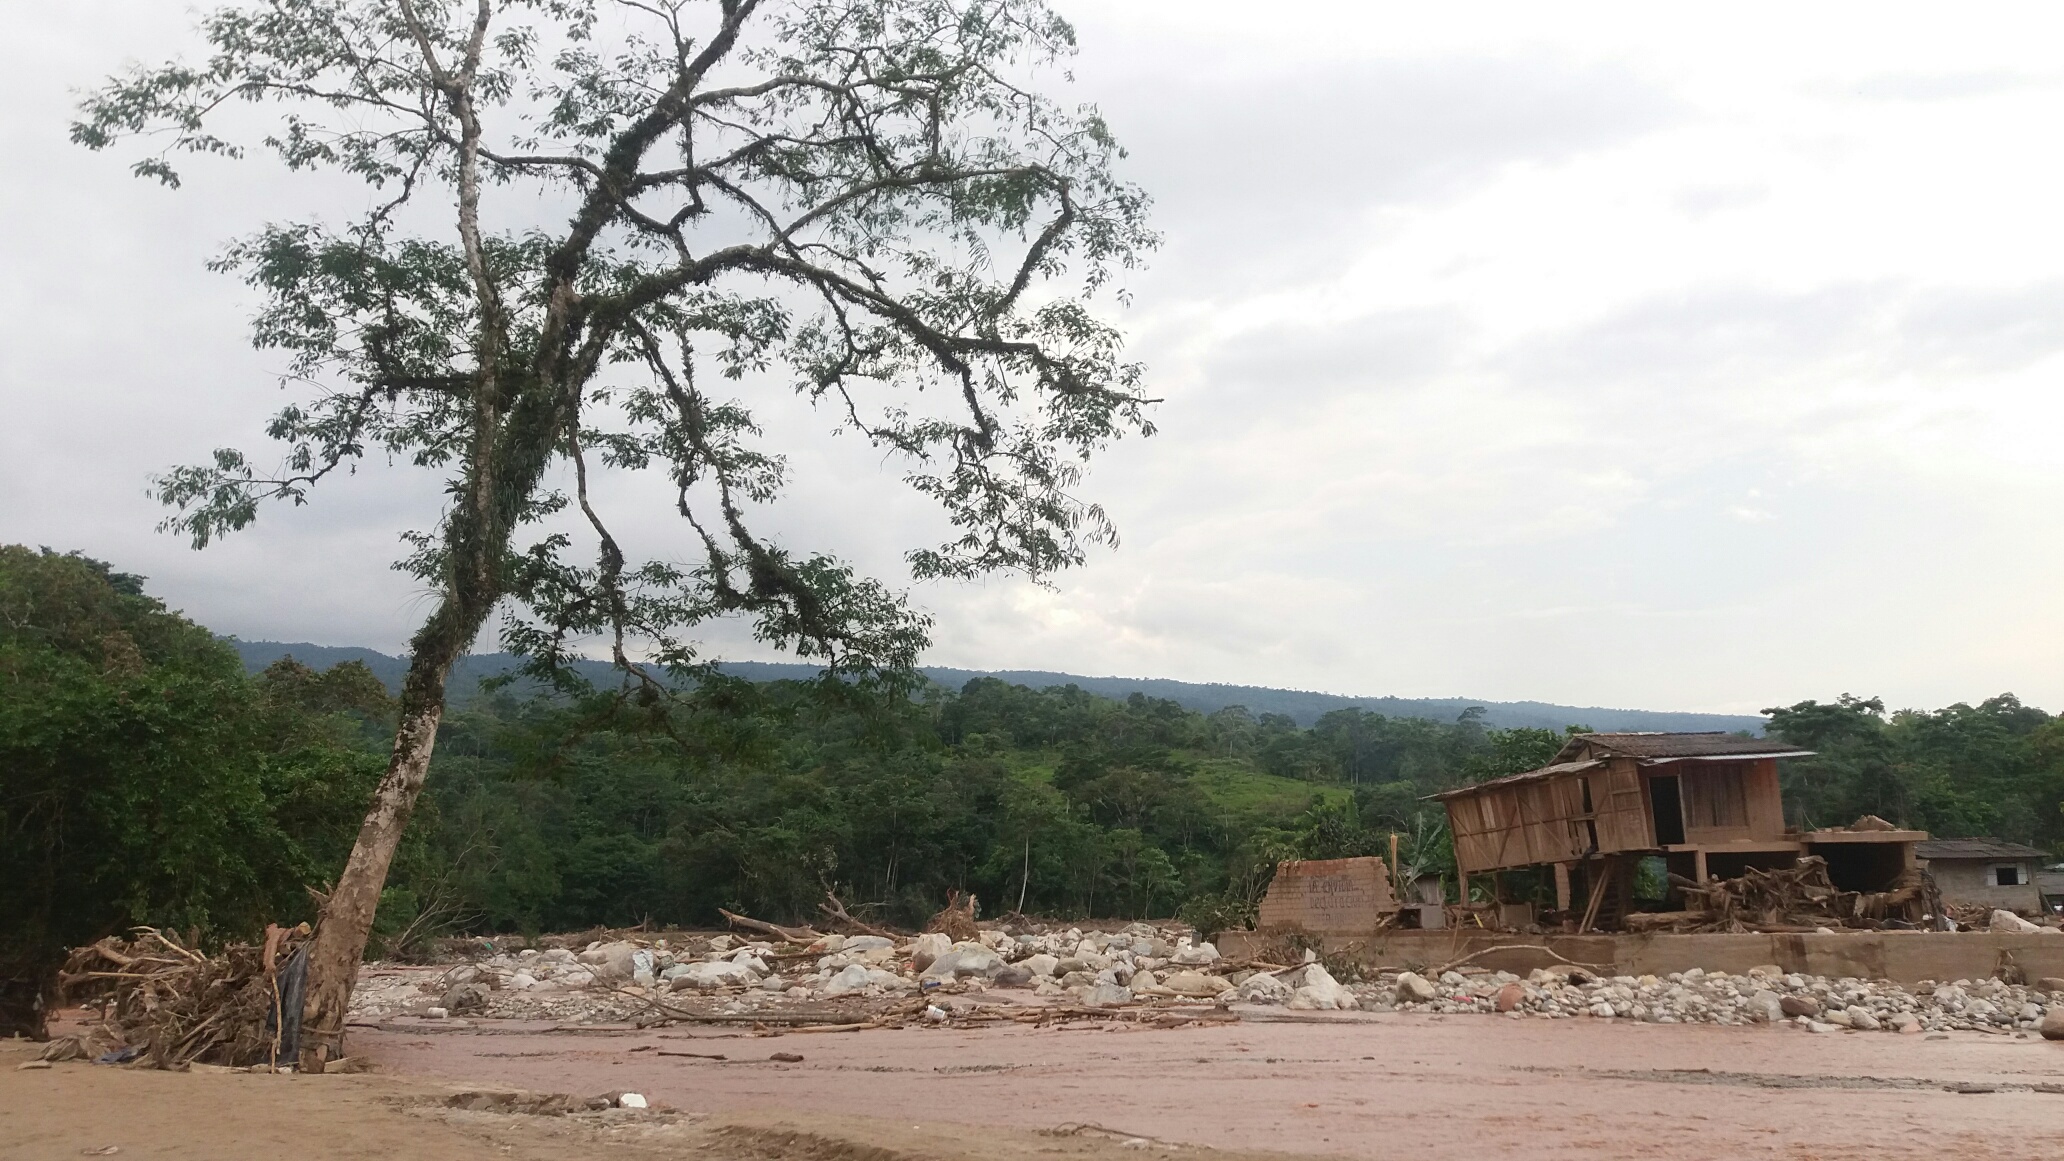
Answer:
(166, 1005)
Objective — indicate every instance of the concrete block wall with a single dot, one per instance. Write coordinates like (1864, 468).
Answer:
(1321, 896)
(1969, 881)
(1902, 956)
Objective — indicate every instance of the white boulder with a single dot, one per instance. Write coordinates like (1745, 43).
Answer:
(2008, 923)
(851, 978)
(926, 949)
(1264, 988)
(1414, 988)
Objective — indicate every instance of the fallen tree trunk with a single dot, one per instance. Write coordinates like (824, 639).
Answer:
(785, 934)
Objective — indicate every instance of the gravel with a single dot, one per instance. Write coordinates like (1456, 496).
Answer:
(1820, 1003)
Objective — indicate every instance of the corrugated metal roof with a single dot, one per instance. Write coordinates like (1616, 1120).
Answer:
(1977, 848)
(1556, 770)
(1657, 745)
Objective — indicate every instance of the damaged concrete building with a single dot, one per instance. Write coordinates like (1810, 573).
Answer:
(1985, 872)
(1706, 804)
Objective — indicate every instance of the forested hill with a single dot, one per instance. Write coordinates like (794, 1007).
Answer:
(1302, 706)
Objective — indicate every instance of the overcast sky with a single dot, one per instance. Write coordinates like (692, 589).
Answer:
(1592, 354)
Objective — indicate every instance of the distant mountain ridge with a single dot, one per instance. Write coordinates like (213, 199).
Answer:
(1302, 706)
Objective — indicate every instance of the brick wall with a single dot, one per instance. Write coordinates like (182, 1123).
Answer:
(1333, 896)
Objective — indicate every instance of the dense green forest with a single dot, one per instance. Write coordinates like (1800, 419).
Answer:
(148, 779)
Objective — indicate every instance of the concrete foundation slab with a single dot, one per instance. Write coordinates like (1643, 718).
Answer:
(1901, 956)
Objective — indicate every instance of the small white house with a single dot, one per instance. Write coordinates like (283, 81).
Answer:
(1986, 872)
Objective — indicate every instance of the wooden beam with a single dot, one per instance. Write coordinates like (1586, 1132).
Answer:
(1601, 875)
(1562, 887)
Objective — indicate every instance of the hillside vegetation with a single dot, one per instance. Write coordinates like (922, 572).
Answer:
(1301, 706)
(149, 779)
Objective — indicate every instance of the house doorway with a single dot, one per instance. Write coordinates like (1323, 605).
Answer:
(1666, 808)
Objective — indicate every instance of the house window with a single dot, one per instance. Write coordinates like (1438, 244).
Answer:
(2008, 876)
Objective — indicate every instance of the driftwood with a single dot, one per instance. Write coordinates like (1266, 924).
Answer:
(1641, 921)
(166, 1005)
(668, 1013)
(785, 934)
(911, 1013)
(1533, 947)
(837, 912)
(1789, 900)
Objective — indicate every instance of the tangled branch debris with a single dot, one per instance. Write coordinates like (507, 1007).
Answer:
(166, 1005)
(957, 919)
(1795, 898)
(836, 912)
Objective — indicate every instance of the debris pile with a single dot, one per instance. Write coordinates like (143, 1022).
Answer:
(1140, 970)
(165, 1005)
(690, 975)
(1798, 898)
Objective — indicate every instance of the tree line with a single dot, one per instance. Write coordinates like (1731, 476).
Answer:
(149, 780)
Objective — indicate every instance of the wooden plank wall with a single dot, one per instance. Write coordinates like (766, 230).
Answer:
(1707, 794)
(1624, 822)
(1766, 800)
(1520, 825)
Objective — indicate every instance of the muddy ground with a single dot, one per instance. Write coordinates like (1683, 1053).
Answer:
(1467, 1088)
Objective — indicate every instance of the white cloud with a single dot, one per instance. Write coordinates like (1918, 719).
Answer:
(1606, 354)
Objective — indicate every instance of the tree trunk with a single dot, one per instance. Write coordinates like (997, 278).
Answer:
(347, 918)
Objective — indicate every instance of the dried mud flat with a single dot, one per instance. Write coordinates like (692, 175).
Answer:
(77, 1109)
(1467, 1088)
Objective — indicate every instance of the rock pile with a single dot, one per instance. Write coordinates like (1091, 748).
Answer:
(618, 979)
(1764, 995)
(725, 976)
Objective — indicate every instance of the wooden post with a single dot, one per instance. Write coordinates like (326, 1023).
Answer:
(1393, 862)
(1600, 875)
(1698, 865)
(1562, 887)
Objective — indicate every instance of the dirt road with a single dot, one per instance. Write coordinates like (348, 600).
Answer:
(77, 1109)
(1357, 1085)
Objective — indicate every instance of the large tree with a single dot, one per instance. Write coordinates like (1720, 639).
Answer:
(586, 213)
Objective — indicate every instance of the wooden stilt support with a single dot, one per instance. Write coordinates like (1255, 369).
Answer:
(1600, 874)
